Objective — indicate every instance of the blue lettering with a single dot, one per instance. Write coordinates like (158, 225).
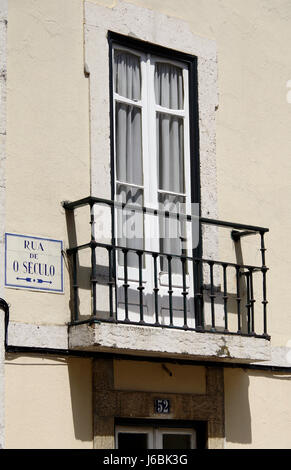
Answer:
(52, 270)
(39, 269)
(33, 245)
(30, 264)
(15, 266)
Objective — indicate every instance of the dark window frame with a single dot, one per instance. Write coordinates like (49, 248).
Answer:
(201, 427)
(192, 62)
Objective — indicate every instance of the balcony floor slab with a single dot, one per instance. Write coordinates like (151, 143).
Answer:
(168, 343)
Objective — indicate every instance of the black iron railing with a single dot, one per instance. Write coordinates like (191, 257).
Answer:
(239, 306)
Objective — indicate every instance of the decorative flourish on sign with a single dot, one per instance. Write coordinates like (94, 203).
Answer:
(29, 279)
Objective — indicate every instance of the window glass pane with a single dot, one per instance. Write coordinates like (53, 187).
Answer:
(172, 231)
(127, 77)
(169, 86)
(176, 441)
(130, 223)
(128, 144)
(170, 152)
(132, 441)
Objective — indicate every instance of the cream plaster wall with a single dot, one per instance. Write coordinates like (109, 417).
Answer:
(3, 77)
(253, 125)
(48, 403)
(48, 160)
(48, 128)
(257, 409)
(48, 134)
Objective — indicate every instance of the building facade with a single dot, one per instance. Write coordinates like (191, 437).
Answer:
(144, 203)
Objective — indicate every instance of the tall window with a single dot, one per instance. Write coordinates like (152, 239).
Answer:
(152, 158)
(151, 169)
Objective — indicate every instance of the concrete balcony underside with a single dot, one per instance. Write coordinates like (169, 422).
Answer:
(168, 343)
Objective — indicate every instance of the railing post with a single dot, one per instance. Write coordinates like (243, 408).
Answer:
(184, 292)
(238, 299)
(264, 272)
(248, 304)
(225, 297)
(212, 296)
(156, 289)
(114, 255)
(252, 302)
(93, 262)
(125, 284)
(75, 286)
(198, 294)
(110, 282)
(170, 291)
(140, 286)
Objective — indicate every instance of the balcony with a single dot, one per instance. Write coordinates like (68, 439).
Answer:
(193, 308)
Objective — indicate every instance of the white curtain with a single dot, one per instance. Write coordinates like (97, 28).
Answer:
(169, 93)
(128, 144)
(127, 79)
(169, 86)
(170, 157)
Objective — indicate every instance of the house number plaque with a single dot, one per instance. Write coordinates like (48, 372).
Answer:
(162, 406)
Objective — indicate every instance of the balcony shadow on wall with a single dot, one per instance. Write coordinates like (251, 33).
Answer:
(84, 273)
(243, 287)
(232, 298)
(238, 429)
(80, 378)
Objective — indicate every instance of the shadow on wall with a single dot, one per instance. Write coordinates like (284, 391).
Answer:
(266, 392)
(238, 427)
(80, 377)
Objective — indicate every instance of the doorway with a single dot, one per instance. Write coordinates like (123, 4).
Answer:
(154, 437)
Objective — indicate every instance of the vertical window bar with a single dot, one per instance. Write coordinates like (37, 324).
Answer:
(93, 279)
(110, 282)
(125, 284)
(113, 259)
(238, 299)
(212, 297)
(93, 262)
(140, 286)
(184, 292)
(198, 290)
(201, 298)
(264, 272)
(75, 287)
(225, 297)
(156, 289)
(170, 291)
(248, 304)
(252, 302)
